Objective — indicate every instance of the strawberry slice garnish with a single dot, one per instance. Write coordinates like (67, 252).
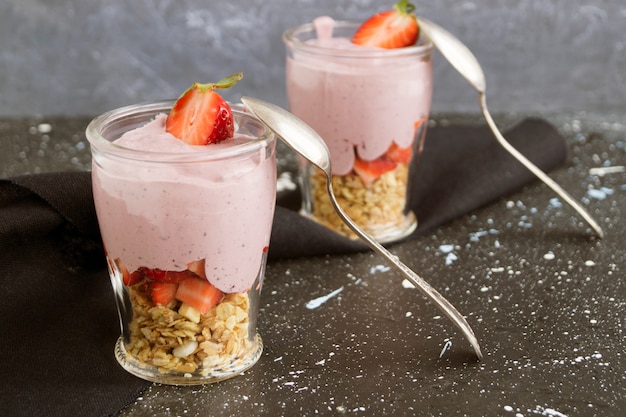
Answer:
(391, 29)
(162, 292)
(201, 116)
(370, 170)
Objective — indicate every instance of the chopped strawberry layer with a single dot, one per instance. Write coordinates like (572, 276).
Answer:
(197, 267)
(398, 154)
(199, 294)
(127, 277)
(164, 276)
(189, 286)
(371, 170)
(162, 292)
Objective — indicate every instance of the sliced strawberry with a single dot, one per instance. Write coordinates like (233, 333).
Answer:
(201, 116)
(197, 267)
(371, 170)
(127, 277)
(398, 154)
(164, 276)
(391, 29)
(418, 123)
(162, 292)
(199, 294)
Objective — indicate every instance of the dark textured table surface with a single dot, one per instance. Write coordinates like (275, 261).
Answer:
(546, 299)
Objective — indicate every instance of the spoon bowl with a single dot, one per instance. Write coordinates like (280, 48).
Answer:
(305, 141)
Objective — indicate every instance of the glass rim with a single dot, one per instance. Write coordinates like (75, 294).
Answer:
(96, 139)
(424, 46)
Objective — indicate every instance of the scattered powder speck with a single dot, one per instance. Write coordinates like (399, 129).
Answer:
(602, 171)
(285, 182)
(379, 268)
(446, 346)
(580, 359)
(548, 256)
(589, 263)
(475, 236)
(450, 255)
(407, 284)
(44, 128)
(508, 408)
(548, 412)
(555, 203)
(317, 302)
(599, 194)
(446, 248)
(450, 258)
(524, 224)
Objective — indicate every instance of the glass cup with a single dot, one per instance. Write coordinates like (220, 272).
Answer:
(186, 237)
(371, 107)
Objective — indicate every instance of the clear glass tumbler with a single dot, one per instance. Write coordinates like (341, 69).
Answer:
(371, 107)
(186, 236)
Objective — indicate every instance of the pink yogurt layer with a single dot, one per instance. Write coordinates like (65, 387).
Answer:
(166, 215)
(358, 103)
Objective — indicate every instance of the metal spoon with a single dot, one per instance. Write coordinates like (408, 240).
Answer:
(462, 59)
(305, 141)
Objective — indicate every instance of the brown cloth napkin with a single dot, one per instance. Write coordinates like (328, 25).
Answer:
(58, 321)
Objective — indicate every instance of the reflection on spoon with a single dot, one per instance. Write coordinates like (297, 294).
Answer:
(306, 142)
(462, 59)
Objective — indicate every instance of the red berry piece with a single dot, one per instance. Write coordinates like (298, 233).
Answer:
(201, 116)
(371, 170)
(162, 293)
(390, 29)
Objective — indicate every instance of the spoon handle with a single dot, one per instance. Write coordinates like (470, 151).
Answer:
(444, 305)
(535, 170)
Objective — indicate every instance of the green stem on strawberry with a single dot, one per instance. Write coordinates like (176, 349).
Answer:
(224, 83)
(404, 7)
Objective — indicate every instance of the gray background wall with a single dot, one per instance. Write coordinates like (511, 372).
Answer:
(82, 57)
